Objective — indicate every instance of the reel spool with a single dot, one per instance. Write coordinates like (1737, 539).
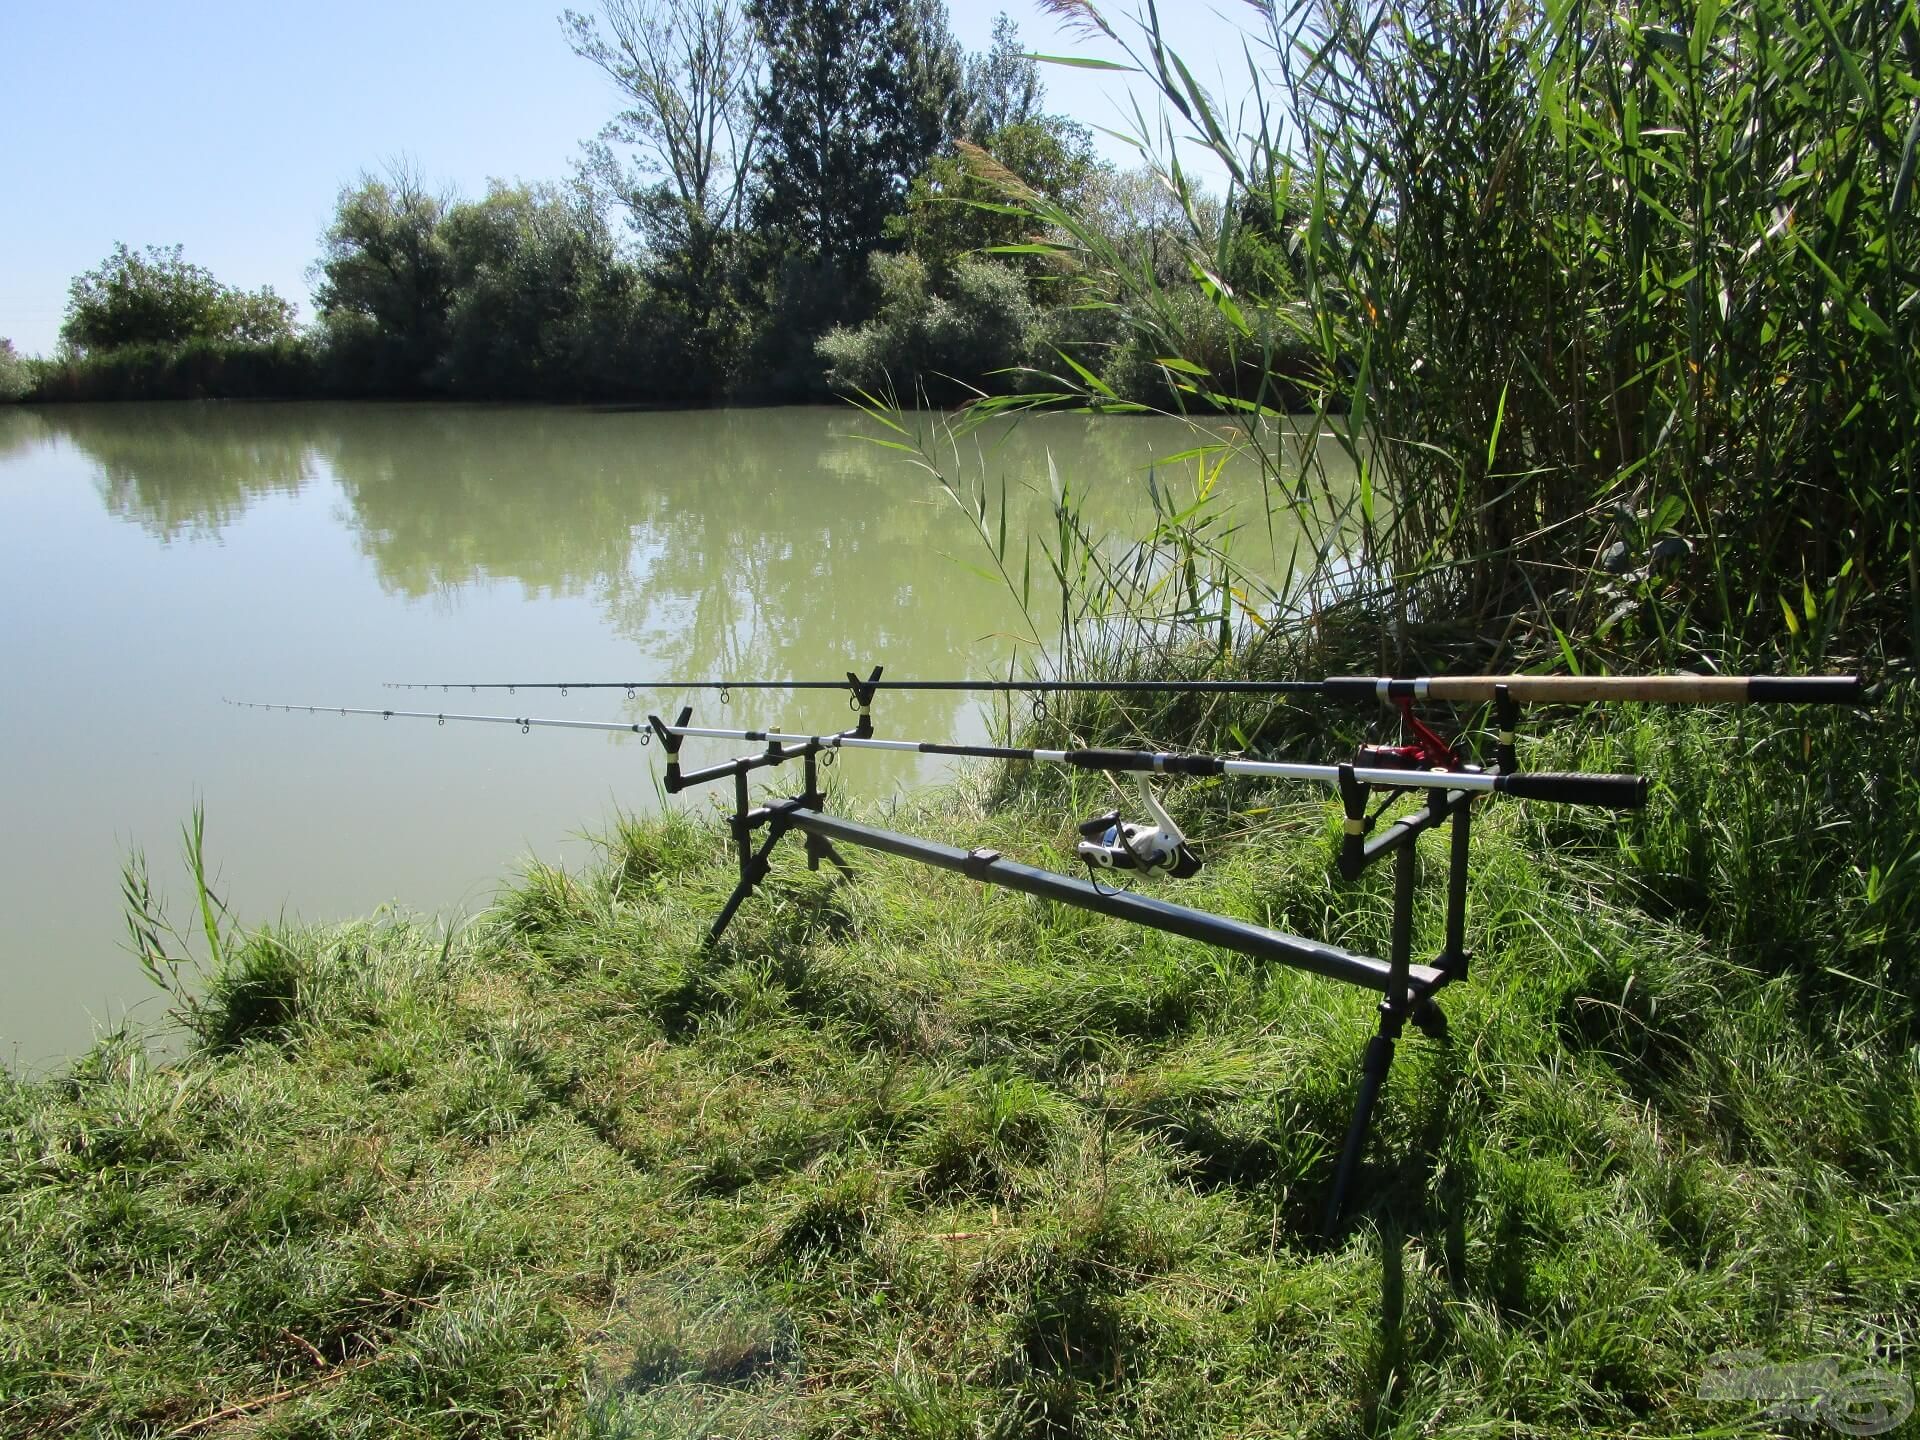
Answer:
(1157, 851)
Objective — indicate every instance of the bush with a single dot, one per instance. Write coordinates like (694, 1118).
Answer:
(16, 374)
(940, 348)
(197, 370)
(157, 298)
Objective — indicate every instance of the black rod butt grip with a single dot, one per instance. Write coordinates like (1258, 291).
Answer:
(1146, 760)
(1350, 687)
(1616, 792)
(1806, 690)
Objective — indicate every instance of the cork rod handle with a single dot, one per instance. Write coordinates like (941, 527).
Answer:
(1657, 689)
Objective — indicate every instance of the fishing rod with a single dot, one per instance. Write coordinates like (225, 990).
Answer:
(1624, 792)
(1672, 689)
(1620, 792)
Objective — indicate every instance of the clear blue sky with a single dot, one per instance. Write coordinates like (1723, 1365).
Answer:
(230, 127)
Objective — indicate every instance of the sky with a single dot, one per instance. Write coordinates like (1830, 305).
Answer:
(229, 126)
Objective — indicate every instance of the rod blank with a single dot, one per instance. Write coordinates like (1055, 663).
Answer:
(525, 722)
(1678, 689)
(1654, 689)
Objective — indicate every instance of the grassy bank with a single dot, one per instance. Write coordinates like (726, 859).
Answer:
(905, 1156)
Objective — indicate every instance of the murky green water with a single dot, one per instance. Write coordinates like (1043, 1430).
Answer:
(154, 559)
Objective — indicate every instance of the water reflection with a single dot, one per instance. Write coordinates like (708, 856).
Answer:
(189, 471)
(20, 429)
(705, 537)
(156, 558)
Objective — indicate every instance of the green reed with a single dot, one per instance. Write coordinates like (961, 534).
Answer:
(1610, 305)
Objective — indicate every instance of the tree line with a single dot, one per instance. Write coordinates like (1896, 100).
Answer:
(797, 197)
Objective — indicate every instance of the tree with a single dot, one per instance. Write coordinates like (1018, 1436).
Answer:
(858, 95)
(1147, 223)
(689, 69)
(935, 70)
(1003, 85)
(540, 298)
(386, 277)
(156, 298)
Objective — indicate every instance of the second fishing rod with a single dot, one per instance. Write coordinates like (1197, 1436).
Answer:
(1613, 791)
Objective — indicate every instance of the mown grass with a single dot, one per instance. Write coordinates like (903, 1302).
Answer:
(906, 1156)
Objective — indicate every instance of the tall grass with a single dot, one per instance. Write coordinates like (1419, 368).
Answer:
(1610, 309)
(1174, 597)
(1611, 305)
(199, 369)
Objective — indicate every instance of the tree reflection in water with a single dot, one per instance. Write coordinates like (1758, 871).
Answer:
(749, 542)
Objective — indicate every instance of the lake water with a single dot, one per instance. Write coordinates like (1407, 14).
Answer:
(155, 559)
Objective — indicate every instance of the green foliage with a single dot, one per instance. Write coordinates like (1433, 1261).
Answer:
(957, 206)
(1606, 313)
(1003, 86)
(386, 281)
(16, 375)
(688, 69)
(805, 299)
(519, 295)
(846, 113)
(1189, 327)
(156, 298)
(537, 295)
(858, 95)
(935, 345)
(196, 370)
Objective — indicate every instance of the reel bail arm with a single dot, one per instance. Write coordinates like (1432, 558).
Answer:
(1156, 851)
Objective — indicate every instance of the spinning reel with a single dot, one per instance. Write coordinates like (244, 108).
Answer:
(1158, 851)
(1428, 750)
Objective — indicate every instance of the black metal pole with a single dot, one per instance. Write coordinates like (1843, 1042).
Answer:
(677, 780)
(991, 868)
(1394, 1011)
(1402, 832)
(742, 833)
(1373, 1075)
(1454, 961)
(753, 868)
(1405, 871)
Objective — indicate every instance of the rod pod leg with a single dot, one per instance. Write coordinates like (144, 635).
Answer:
(1394, 1011)
(1373, 1076)
(820, 848)
(753, 869)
